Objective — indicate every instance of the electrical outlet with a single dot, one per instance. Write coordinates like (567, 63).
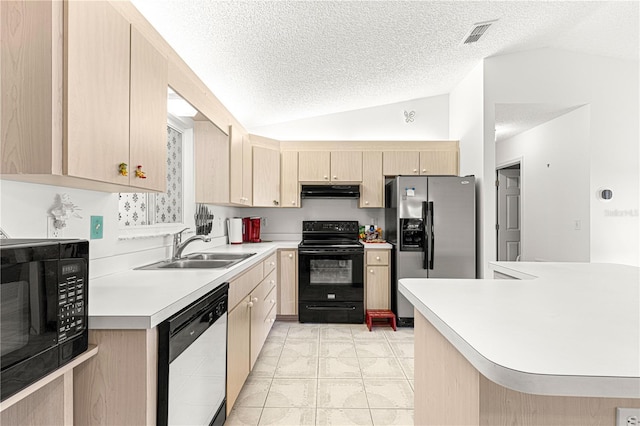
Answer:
(96, 227)
(52, 231)
(264, 222)
(577, 224)
(627, 416)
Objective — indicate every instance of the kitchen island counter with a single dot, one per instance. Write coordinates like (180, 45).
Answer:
(569, 329)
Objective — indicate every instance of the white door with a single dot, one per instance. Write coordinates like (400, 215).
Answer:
(509, 217)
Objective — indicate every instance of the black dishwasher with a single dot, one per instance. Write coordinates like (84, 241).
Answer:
(192, 363)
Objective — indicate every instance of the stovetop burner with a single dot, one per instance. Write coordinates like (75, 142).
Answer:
(330, 235)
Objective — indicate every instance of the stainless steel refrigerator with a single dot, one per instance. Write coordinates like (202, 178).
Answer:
(431, 223)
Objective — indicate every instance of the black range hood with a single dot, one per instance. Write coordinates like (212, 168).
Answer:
(330, 191)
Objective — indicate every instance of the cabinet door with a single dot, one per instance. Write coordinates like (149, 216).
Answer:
(148, 115)
(396, 163)
(31, 81)
(238, 350)
(372, 189)
(378, 289)
(439, 162)
(96, 123)
(236, 159)
(346, 166)
(247, 170)
(289, 189)
(266, 177)
(314, 166)
(288, 282)
(212, 163)
(263, 298)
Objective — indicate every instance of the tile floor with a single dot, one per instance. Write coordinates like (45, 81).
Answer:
(329, 374)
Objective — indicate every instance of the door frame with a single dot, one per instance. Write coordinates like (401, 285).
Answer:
(504, 165)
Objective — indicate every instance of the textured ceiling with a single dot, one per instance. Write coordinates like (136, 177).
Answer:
(512, 119)
(276, 61)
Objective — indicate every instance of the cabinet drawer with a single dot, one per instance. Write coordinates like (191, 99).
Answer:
(240, 287)
(270, 301)
(270, 264)
(377, 257)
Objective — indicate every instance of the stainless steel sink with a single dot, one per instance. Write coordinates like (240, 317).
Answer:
(201, 261)
(220, 256)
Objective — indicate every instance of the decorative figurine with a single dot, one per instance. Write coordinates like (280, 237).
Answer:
(122, 168)
(140, 173)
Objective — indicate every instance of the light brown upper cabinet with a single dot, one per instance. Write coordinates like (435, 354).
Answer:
(335, 166)
(396, 163)
(212, 163)
(266, 177)
(372, 188)
(114, 86)
(148, 114)
(289, 189)
(241, 168)
(439, 162)
(428, 162)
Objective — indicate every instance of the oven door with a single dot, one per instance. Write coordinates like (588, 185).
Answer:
(28, 322)
(330, 275)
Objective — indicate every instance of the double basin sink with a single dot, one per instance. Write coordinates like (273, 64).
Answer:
(201, 261)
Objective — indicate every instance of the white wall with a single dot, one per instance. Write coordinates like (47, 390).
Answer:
(386, 122)
(610, 87)
(286, 224)
(555, 158)
(466, 125)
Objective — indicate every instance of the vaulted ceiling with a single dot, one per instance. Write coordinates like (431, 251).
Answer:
(275, 61)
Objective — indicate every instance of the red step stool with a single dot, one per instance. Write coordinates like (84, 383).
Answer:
(373, 314)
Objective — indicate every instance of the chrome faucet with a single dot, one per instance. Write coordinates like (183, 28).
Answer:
(179, 246)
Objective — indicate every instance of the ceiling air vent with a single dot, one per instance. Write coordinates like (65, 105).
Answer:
(477, 31)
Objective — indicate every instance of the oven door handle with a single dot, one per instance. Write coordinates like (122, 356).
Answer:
(330, 308)
(330, 252)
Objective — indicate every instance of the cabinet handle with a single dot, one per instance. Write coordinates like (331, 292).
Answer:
(293, 203)
(272, 319)
(424, 170)
(366, 203)
(272, 282)
(273, 301)
(415, 170)
(275, 202)
(377, 257)
(371, 271)
(335, 178)
(254, 299)
(250, 304)
(326, 177)
(290, 256)
(272, 264)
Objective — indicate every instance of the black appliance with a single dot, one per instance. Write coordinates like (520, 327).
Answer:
(43, 308)
(192, 363)
(330, 273)
(330, 191)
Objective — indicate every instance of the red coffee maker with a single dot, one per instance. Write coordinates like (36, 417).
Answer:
(251, 229)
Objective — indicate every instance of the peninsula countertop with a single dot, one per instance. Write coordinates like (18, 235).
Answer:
(141, 299)
(568, 329)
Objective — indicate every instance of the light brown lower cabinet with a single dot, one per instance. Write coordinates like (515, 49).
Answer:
(238, 349)
(249, 322)
(288, 283)
(377, 279)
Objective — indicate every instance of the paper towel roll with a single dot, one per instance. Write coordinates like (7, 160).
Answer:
(234, 230)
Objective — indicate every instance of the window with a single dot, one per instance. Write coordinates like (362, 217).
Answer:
(141, 209)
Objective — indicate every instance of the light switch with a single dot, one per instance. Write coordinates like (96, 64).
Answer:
(96, 227)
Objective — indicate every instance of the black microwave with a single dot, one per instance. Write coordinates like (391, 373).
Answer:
(43, 308)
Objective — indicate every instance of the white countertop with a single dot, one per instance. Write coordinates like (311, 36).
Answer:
(140, 299)
(376, 246)
(564, 329)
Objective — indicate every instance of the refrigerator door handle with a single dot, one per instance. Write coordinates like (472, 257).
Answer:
(425, 246)
(432, 236)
